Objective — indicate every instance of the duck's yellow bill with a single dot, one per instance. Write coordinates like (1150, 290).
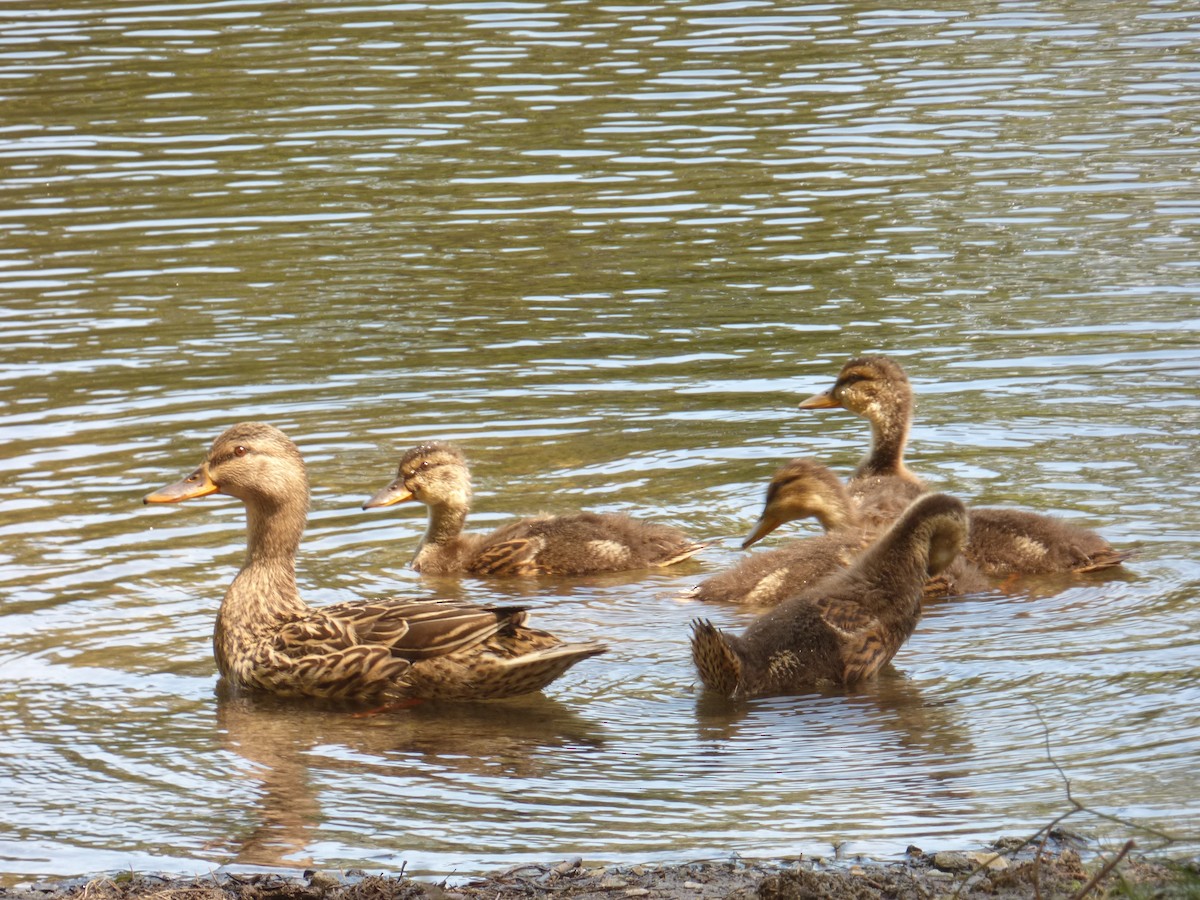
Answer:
(394, 493)
(823, 400)
(198, 484)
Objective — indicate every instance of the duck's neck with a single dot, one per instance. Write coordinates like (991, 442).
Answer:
(837, 513)
(896, 566)
(446, 522)
(445, 549)
(264, 592)
(273, 532)
(889, 436)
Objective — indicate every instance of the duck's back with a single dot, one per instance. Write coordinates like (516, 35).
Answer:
(792, 648)
(767, 578)
(1007, 542)
(580, 544)
(880, 499)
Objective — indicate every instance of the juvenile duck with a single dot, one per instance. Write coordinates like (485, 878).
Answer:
(1013, 542)
(801, 489)
(436, 474)
(268, 639)
(877, 389)
(846, 627)
(1003, 542)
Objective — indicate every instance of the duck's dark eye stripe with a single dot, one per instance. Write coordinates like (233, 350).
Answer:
(239, 450)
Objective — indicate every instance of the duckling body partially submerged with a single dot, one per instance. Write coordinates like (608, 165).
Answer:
(1003, 542)
(268, 639)
(845, 628)
(436, 474)
(1006, 542)
(800, 489)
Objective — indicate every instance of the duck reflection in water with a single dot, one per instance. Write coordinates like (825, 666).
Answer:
(888, 728)
(276, 737)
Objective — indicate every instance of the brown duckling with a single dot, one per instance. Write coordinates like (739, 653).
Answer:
(1011, 542)
(1002, 543)
(846, 627)
(801, 489)
(877, 389)
(268, 639)
(436, 474)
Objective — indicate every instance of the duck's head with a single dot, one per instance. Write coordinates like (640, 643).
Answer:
(252, 461)
(798, 490)
(435, 474)
(874, 387)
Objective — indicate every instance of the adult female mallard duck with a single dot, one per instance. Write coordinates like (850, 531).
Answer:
(801, 489)
(843, 629)
(1003, 542)
(268, 639)
(436, 474)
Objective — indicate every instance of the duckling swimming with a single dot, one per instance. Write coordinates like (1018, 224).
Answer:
(801, 489)
(436, 474)
(843, 629)
(1003, 542)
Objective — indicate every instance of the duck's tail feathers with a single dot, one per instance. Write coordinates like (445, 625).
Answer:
(718, 663)
(538, 668)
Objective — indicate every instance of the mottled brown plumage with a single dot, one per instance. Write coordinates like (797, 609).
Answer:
(436, 474)
(876, 388)
(1002, 542)
(268, 639)
(801, 489)
(1006, 542)
(846, 627)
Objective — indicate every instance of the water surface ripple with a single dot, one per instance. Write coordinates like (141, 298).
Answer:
(606, 249)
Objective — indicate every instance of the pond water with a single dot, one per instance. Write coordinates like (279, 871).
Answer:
(606, 248)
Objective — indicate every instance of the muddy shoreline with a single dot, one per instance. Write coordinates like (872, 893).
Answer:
(1012, 868)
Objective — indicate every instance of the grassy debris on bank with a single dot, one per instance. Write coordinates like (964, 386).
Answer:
(998, 873)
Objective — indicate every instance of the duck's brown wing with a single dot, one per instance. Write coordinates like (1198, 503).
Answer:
(864, 645)
(410, 629)
(579, 544)
(514, 556)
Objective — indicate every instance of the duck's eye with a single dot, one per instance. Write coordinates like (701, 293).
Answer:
(239, 450)
(423, 466)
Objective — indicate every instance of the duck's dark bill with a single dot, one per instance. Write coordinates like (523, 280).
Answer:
(762, 528)
(393, 493)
